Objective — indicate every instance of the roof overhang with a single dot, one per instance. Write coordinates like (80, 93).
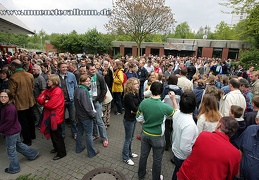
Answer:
(11, 24)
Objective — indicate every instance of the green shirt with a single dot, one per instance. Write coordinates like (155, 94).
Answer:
(153, 113)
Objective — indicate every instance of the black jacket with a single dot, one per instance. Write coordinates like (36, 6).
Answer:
(131, 103)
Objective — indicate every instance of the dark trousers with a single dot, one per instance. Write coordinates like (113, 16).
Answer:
(27, 122)
(168, 132)
(118, 101)
(178, 163)
(58, 141)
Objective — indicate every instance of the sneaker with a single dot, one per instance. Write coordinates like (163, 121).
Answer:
(129, 162)
(118, 113)
(138, 137)
(105, 143)
(134, 155)
(161, 177)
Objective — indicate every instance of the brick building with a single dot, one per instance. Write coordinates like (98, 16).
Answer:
(224, 49)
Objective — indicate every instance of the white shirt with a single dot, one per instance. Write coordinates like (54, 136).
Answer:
(204, 125)
(234, 97)
(184, 135)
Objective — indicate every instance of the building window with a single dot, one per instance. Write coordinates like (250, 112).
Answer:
(128, 51)
(154, 52)
(217, 53)
(233, 53)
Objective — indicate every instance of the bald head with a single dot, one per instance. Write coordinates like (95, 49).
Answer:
(16, 63)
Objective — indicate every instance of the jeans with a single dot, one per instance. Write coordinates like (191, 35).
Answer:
(71, 111)
(98, 122)
(158, 145)
(129, 127)
(118, 101)
(86, 126)
(141, 92)
(14, 145)
(178, 163)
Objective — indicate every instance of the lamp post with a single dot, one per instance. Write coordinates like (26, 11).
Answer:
(41, 43)
(205, 36)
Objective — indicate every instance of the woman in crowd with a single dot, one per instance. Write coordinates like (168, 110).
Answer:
(131, 102)
(209, 114)
(53, 101)
(117, 86)
(11, 128)
(4, 77)
(85, 114)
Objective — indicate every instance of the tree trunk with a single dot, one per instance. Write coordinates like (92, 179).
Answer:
(139, 45)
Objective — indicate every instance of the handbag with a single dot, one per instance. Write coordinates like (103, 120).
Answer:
(108, 96)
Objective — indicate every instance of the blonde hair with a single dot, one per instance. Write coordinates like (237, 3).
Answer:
(129, 86)
(209, 107)
(54, 78)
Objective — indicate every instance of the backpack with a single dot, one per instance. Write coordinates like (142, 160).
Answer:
(124, 77)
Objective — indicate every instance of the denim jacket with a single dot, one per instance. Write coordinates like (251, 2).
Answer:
(71, 84)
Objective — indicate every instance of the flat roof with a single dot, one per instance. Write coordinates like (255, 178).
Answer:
(11, 24)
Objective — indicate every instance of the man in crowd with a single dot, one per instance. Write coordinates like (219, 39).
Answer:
(68, 84)
(185, 130)
(234, 97)
(213, 156)
(39, 87)
(183, 82)
(98, 92)
(254, 78)
(152, 113)
(21, 86)
(149, 67)
(248, 143)
(142, 76)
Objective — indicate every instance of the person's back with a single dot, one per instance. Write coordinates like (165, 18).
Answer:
(248, 144)
(184, 130)
(211, 158)
(21, 85)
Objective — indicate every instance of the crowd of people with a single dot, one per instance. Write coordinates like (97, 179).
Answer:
(204, 109)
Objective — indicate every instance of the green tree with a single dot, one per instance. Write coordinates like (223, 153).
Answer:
(138, 18)
(250, 27)
(223, 32)
(240, 6)
(183, 30)
(248, 58)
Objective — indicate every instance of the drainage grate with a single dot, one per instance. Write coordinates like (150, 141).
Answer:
(104, 174)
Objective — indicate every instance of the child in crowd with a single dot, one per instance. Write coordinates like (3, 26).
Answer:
(237, 112)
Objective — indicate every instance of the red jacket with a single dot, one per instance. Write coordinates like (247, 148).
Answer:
(56, 102)
(213, 157)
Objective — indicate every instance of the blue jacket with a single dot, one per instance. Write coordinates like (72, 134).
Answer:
(71, 84)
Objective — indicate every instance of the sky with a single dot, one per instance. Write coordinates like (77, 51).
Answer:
(197, 13)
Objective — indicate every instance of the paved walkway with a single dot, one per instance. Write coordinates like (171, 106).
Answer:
(75, 166)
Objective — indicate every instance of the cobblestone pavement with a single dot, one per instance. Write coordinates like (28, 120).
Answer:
(75, 166)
